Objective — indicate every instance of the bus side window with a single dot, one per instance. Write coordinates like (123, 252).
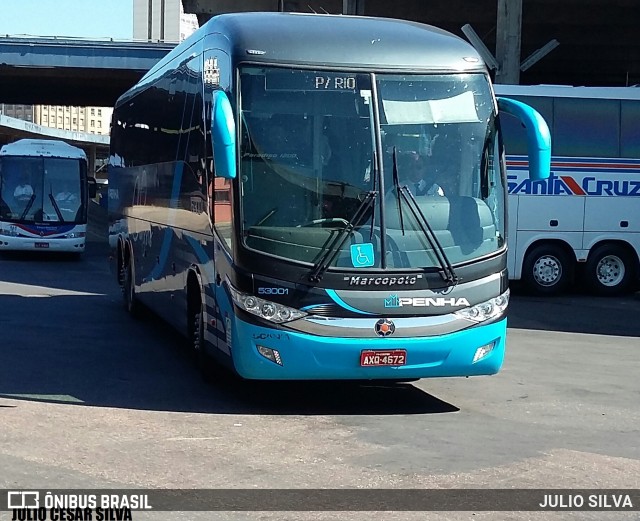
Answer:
(220, 197)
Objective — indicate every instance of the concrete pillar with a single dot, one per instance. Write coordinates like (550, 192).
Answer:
(508, 38)
(92, 161)
(353, 7)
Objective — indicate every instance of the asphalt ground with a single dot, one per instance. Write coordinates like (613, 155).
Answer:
(90, 398)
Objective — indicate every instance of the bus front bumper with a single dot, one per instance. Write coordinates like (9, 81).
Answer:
(302, 356)
(8, 243)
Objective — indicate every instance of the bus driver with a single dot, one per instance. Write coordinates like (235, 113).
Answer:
(23, 192)
(419, 178)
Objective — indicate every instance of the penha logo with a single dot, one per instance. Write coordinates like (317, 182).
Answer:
(420, 302)
(392, 302)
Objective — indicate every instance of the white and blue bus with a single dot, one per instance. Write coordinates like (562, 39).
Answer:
(44, 196)
(319, 197)
(582, 224)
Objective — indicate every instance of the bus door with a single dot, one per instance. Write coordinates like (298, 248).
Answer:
(217, 77)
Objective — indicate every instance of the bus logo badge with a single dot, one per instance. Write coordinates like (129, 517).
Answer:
(211, 72)
(362, 255)
(384, 327)
(392, 302)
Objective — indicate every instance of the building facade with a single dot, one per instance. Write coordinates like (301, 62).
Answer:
(92, 120)
(162, 21)
(23, 112)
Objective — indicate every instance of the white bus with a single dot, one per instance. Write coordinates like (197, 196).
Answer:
(44, 196)
(582, 224)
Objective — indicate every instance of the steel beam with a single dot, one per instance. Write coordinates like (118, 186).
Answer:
(508, 40)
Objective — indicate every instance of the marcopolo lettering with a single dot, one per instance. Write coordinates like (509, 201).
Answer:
(407, 280)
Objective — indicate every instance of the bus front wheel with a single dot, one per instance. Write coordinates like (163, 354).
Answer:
(610, 270)
(196, 342)
(547, 270)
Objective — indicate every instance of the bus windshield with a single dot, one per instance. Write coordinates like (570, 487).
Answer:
(310, 143)
(37, 189)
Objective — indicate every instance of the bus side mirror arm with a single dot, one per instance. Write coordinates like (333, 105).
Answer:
(223, 136)
(93, 191)
(538, 136)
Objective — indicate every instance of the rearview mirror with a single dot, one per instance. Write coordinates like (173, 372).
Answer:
(223, 136)
(538, 136)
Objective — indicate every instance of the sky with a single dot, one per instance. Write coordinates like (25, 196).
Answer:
(77, 18)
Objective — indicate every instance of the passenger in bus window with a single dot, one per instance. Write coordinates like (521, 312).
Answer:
(66, 195)
(24, 191)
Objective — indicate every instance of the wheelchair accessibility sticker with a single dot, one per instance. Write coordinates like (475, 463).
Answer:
(362, 255)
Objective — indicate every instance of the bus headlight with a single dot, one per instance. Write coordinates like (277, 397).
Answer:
(486, 310)
(75, 235)
(265, 308)
(8, 232)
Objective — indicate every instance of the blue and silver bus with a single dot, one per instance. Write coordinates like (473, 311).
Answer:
(319, 197)
(44, 196)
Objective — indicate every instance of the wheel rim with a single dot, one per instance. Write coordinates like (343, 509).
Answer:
(547, 270)
(610, 271)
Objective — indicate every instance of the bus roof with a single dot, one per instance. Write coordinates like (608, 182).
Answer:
(339, 41)
(42, 148)
(566, 91)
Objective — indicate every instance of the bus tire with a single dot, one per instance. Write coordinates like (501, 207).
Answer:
(131, 303)
(547, 270)
(204, 363)
(610, 270)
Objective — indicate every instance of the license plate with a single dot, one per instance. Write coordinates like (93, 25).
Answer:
(41, 244)
(371, 358)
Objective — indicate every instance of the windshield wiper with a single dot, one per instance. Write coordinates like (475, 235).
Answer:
(339, 239)
(447, 272)
(396, 184)
(28, 207)
(56, 207)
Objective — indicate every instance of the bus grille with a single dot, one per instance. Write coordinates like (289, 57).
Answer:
(333, 310)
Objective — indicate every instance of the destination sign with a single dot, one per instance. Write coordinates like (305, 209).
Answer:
(313, 81)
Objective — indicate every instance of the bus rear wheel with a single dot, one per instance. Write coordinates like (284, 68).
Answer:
(610, 270)
(131, 303)
(547, 270)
